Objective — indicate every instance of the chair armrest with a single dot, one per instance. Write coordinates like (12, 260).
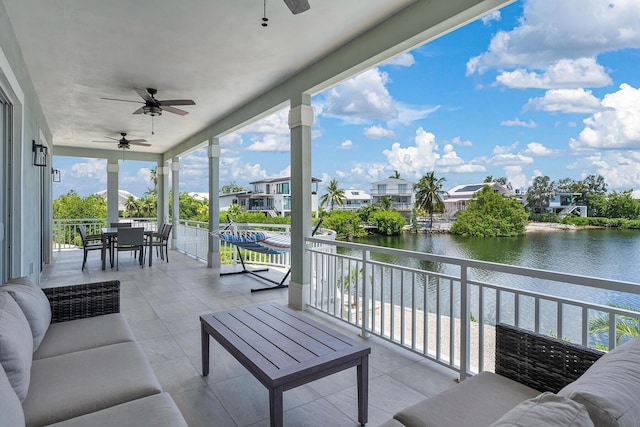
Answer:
(539, 361)
(84, 300)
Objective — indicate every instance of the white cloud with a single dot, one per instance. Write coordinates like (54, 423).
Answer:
(518, 122)
(566, 101)
(413, 161)
(347, 144)
(270, 142)
(504, 149)
(566, 73)
(378, 132)
(92, 169)
(233, 169)
(620, 169)
(276, 123)
(491, 16)
(230, 144)
(617, 126)
(403, 60)
(552, 30)
(365, 97)
(510, 159)
(408, 115)
(459, 141)
(515, 176)
(449, 157)
(537, 149)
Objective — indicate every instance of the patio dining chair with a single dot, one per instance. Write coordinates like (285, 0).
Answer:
(161, 240)
(92, 242)
(130, 239)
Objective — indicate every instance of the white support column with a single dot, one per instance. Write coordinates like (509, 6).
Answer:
(213, 256)
(162, 177)
(300, 121)
(112, 191)
(175, 200)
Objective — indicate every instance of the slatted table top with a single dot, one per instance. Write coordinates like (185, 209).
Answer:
(281, 347)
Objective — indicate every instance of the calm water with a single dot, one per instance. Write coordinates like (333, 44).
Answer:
(597, 253)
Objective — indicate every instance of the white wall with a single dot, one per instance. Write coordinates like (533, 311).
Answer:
(27, 226)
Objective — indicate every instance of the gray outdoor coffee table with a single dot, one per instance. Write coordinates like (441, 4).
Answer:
(284, 349)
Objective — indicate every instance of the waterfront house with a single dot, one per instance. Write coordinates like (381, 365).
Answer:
(457, 199)
(273, 196)
(353, 200)
(565, 203)
(399, 191)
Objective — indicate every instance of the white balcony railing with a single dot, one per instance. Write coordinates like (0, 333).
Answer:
(444, 308)
(66, 235)
(193, 239)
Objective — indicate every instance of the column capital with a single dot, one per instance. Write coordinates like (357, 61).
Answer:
(162, 170)
(175, 166)
(214, 151)
(301, 115)
(112, 168)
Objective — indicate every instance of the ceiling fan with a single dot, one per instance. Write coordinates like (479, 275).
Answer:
(125, 143)
(154, 107)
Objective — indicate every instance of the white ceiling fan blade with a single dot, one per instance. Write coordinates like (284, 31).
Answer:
(141, 144)
(297, 6)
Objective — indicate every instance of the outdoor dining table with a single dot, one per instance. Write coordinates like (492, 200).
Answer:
(108, 237)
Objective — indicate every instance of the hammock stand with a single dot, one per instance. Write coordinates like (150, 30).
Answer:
(261, 242)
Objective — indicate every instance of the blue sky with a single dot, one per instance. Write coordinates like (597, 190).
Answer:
(541, 87)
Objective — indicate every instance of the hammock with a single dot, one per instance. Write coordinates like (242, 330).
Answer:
(256, 241)
(259, 241)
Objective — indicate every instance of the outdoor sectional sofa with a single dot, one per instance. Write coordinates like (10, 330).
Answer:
(539, 381)
(69, 358)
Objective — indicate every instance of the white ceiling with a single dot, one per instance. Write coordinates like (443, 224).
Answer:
(212, 51)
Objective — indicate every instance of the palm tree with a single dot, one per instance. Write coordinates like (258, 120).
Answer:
(334, 195)
(429, 194)
(540, 192)
(395, 175)
(154, 177)
(132, 206)
(627, 327)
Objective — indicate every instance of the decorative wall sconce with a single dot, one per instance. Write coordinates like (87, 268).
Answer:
(39, 155)
(55, 173)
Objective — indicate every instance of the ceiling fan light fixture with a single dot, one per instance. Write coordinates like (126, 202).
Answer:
(152, 110)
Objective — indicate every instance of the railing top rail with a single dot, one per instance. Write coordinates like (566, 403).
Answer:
(594, 282)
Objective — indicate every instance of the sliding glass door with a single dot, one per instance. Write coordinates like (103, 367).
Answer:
(6, 132)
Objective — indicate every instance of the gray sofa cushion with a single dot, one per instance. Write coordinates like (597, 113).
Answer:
(548, 410)
(158, 410)
(610, 388)
(83, 334)
(74, 384)
(476, 401)
(11, 413)
(16, 344)
(34, 305)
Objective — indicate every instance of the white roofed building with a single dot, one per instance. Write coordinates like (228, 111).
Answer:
(457, 199)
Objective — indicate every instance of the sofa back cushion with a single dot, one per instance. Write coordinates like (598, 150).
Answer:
(10, 407)
(16, 345)
(610, 389)
(34, 305)
(546, 409)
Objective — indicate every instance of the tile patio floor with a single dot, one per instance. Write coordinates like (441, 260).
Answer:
(163, 304)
